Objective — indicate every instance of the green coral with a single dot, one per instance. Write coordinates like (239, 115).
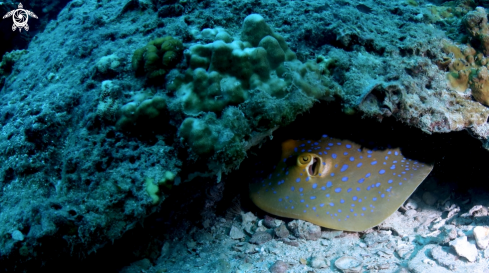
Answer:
(8, 61)
(141, 109)
(224, 72)
(157, 58)
(237, 91)
(153, 189)
(199, 135)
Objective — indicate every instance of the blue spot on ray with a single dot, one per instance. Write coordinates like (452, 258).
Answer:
(344, 168)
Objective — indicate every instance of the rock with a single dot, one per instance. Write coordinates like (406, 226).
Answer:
(271, 222)
(248, 218)
(318, 262)
(236, 233)
(377, 238)
(282, 231)
(17, 235)
(330, 234)
(411, 204)
(137, 266)
(279, 267)
(479, 211)
(349, 264)
(410, 213)
(260, 237)
(481, 235)
(290, 242)
(244, 248)
(246, 267)
(444, 258)
(464, 248)
(422, 264)
(305, 230)
(429, 198)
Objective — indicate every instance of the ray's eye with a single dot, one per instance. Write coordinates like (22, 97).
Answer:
(304, 159)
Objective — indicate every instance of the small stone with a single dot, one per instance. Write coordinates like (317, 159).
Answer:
(411, 204)
(330, 234)
(318, 262)
(464, 248)
(236, 233)
(279, 267)
(282, 231)
(410, 213)
(303, 261)
(290, 242)
(479, 211)
(481, 235)
(349, 264)
(429, 198)
(17, 235)
(260, 237)
(271, 222)
(248, 218)
(444, 257)
(305, 230)
(246, 267)
(244, 248)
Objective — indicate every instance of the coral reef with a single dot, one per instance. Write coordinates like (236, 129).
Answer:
(81, 136)
(157, 58)
(258, 68)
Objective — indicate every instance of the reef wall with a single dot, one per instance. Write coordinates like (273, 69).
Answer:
(117, 102)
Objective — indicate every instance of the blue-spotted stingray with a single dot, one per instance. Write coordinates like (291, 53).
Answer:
(337, 184)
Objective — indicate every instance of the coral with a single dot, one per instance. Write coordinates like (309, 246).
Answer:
(107, 107)
(108, 64)
(258, 74)
(153, 189)
(8, 61)
(223, 72)
(157, 58)
(142, 107)
(199, 134)
(468, 67)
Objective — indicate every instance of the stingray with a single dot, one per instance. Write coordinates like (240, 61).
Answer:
(338, 184)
